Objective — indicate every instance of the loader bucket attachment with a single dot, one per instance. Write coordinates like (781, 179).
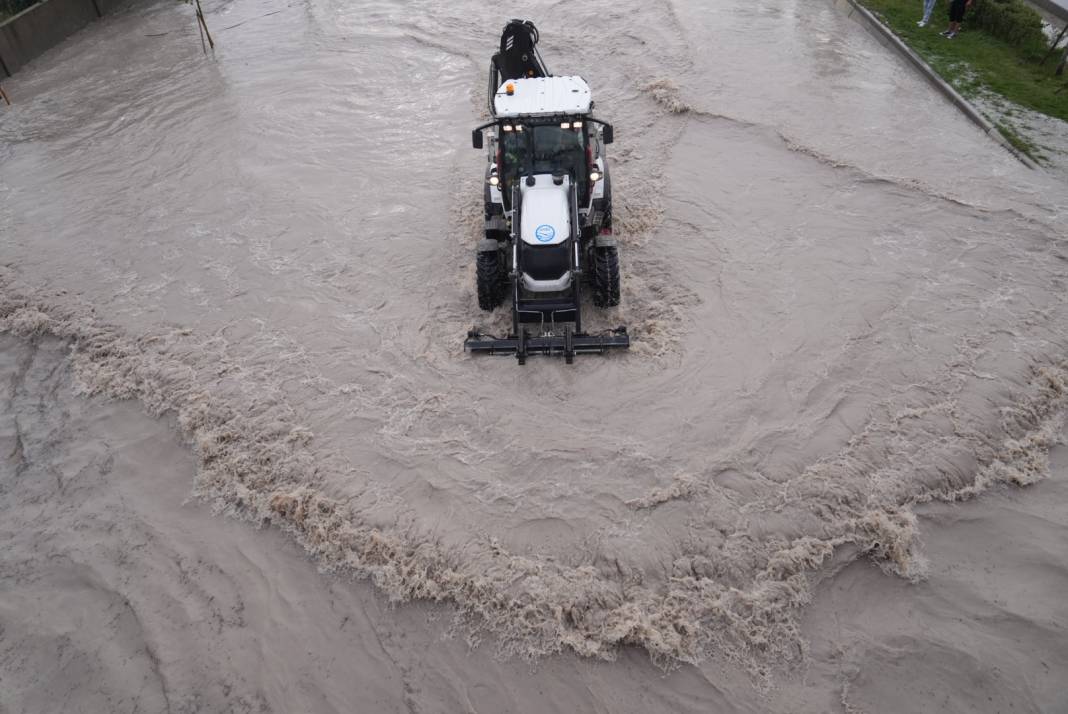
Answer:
(566, 345)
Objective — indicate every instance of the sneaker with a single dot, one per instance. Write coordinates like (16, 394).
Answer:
(945, 33)
(951, 35)
(921, 23)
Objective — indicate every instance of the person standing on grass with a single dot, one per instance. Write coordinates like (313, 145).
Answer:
(928, 8)
(956, 16)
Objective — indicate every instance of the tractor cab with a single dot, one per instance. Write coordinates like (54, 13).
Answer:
(558, 146)
(543, 126)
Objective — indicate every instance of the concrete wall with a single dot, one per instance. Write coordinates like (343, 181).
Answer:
(32, 32)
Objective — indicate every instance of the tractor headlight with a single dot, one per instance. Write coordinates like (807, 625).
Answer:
(493, 180)
(507, 127)
(595, 175)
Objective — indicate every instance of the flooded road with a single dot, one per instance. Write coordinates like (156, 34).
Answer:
(845, 301)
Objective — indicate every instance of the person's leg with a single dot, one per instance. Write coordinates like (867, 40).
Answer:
(956, 14)
(928, 8)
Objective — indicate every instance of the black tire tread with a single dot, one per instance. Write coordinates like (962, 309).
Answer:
(490, 279)
(606, 291)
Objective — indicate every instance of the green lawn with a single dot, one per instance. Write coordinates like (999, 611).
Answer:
(974, 59)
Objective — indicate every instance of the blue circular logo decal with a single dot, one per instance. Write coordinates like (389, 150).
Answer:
(545, 233)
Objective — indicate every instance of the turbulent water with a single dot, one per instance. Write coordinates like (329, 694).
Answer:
(844, 301)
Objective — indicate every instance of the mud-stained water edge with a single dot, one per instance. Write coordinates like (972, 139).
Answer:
(845, 302)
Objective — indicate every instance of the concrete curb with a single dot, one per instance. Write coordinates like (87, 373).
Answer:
(887, 35)
(1052, 8)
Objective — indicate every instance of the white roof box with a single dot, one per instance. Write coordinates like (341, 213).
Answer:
(539, 96)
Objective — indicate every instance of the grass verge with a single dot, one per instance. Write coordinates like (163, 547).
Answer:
(1020, 142)
(974, 60)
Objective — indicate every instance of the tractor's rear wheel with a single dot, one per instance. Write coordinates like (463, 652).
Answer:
(605, 276)
(490, 276)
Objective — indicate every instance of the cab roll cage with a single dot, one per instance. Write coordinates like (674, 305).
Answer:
(607, 134)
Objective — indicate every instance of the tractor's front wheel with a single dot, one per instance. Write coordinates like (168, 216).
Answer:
(490, 277)
(605, 276)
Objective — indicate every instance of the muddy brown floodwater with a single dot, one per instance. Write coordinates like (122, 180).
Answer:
(847, 308)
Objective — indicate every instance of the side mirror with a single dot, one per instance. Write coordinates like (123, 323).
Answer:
(476, 139)
(607, 134)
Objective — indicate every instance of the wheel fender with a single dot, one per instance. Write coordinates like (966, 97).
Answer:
(605, 241)
(497, 223)
(488, 245)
